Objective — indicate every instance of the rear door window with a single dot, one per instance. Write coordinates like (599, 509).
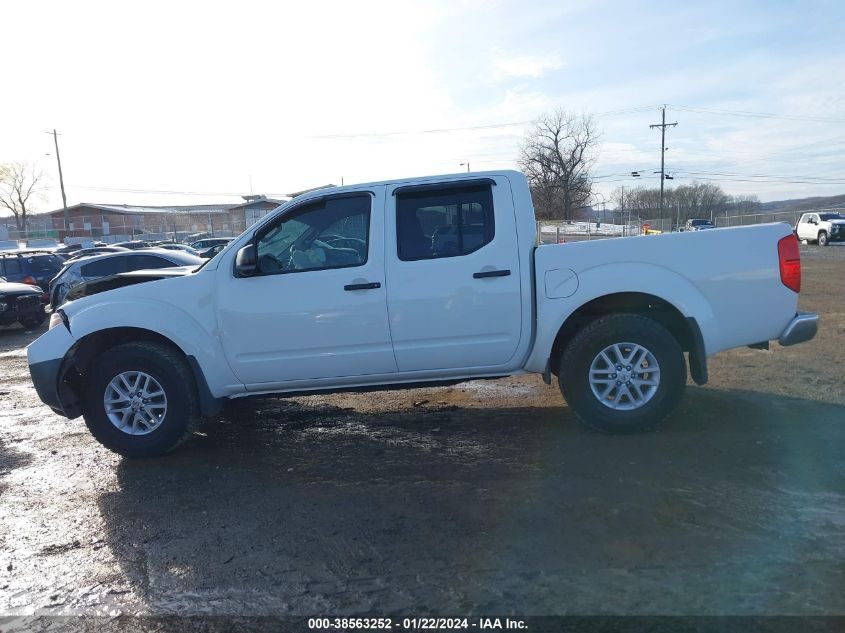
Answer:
(445, 222)
(13, 267)
(44, 264)
(104, 267)
(144, 262)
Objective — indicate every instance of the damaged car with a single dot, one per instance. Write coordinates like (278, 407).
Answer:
(89, 268)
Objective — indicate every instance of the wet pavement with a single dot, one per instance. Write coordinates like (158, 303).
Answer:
(483, 498)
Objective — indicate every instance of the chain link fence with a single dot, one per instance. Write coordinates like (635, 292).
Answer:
(558, 232)
(790, 217)
(181, 228)
(175, 228)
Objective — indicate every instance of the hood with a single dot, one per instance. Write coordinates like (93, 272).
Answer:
(7, 287)
(96, 286)
(158, 273)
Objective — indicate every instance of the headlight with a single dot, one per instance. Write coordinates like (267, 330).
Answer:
(58, 317)
(3, 306)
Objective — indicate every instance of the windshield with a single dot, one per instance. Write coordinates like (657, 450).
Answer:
(831, 216)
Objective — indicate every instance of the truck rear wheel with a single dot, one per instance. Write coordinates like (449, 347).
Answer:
(622, 373)
(140, 399)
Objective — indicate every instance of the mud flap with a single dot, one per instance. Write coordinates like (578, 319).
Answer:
(697, 354)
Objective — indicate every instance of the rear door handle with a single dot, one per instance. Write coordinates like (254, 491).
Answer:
(491, 273)
(369, 286)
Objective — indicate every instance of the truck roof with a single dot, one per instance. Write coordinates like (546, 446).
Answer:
(459, 176)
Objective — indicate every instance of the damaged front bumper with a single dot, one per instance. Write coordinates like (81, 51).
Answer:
(46, 357)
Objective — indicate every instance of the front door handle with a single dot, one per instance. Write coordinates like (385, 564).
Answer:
(491, 273)
(368, 286)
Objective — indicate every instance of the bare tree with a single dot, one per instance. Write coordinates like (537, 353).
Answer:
(556, 157)
(702, 200)
(695, 200)
(643, 202)
(746, 204)
(18, 187)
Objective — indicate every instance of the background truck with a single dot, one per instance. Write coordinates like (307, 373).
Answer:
(822, 228)
(698, 224)
(353, 288)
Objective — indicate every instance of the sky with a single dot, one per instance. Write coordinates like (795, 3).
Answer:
(193, 102)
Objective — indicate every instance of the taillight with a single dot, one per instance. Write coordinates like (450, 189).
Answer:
(790, 262)
(29, 279)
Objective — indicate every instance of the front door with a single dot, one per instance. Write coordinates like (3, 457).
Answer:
(804, 226)
(453, 275)
(316, 307)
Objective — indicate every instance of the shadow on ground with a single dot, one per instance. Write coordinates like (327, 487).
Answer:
(299, 507)
(10, 460)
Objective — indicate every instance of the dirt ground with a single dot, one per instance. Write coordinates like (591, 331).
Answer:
(484, 498)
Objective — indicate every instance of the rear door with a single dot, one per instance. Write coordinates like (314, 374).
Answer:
(453, 278)
(104, 267)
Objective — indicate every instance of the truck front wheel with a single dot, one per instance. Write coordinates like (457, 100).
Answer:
(140, 399)
(822, 238)
(622, 373)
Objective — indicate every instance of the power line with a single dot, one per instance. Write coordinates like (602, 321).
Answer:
(431, 131)
(159, 191)
(471, 128)
(822, 179)
(762, 181)
(757, 115)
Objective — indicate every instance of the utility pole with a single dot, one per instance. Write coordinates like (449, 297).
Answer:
(662, 125)
(622, 212)
(61, 178)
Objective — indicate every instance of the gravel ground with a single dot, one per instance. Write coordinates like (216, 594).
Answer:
(484, 498)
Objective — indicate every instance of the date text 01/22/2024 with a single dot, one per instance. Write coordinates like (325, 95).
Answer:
(413, 624)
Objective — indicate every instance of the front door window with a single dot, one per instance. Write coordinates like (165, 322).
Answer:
(330, 233)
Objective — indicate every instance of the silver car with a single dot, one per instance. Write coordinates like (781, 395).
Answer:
(88, 268)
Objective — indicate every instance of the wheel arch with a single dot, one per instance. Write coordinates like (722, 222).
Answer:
(87, 348)
(685, 330)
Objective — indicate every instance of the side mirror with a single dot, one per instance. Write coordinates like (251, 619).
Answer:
(245, 261)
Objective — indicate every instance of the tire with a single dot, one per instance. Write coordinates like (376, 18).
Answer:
(618, 412)
(823, 238)
(159, 432)
(35, 320)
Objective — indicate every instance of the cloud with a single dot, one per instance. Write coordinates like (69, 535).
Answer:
(532, 66)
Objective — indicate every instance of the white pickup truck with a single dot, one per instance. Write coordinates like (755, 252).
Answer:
(354, 288)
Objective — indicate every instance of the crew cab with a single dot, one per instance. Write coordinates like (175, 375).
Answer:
(822, 228)
(353, 288)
